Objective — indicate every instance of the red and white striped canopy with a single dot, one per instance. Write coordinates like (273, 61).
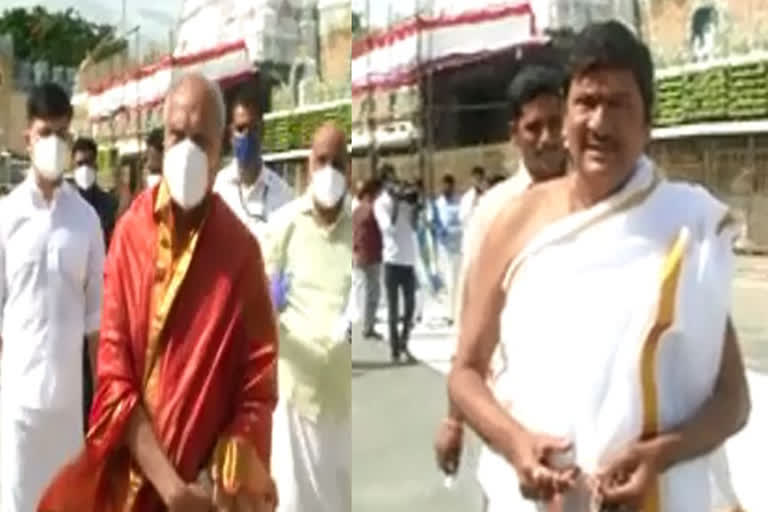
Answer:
(399, 55)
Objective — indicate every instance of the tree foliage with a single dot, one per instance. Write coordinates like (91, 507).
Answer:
(356, 23)
(61, 38)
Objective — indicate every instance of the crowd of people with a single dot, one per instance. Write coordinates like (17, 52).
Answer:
(183, 343)
(180, 345)
(411, 243)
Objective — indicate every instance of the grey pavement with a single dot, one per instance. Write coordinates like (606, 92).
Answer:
(395, 410)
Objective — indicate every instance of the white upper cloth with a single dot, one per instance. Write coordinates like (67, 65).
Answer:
(610, 365)
(399, 238)
(267, 194)
(51, 277)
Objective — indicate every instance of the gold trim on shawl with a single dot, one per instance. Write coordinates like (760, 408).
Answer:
(172, 266)
(170, 271)
(665, 315)
(236, 466)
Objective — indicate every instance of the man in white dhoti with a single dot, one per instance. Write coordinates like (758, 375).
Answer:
(309, 256)
(51, 267)
(536, 116)
(609, 307)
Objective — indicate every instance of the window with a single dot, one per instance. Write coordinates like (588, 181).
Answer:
(703, 31)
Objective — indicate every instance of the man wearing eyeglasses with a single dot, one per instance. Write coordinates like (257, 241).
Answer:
(250, 189)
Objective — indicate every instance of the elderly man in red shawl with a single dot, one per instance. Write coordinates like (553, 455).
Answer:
(186, 369)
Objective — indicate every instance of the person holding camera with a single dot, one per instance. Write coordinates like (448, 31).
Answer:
(396, 211)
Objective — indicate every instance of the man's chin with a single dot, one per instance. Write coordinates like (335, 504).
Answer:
(597, 164)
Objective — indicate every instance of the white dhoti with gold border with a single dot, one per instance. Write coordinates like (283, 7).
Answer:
(613, 329)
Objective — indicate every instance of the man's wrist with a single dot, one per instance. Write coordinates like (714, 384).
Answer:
(511, 447)
(665, 449)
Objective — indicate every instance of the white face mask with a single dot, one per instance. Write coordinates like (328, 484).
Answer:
(153, 179)
(328, 186)
(85, 176)
(185, 168)
(50, 156)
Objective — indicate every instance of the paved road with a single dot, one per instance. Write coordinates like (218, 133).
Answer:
(750, 310)
(394, 413)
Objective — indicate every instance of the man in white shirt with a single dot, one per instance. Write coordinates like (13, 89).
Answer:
(447, 226)
(396, 214)
(51, 266)
(471, 197)
(251, 189)
(536, 115)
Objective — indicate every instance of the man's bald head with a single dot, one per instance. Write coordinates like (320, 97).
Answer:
(329, 146)
(198, 86)
(194, 109)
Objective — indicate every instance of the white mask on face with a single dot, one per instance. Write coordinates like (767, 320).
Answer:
(50, 156)
(185, 168)
(85, 176)
(153, 179)
(328, 186)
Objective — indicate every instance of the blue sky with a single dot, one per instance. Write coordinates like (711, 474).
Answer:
(156, 17)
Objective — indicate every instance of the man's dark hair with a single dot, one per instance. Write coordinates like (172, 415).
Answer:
(530, 83)
(387, 172)
(478, 172)
(48, 101)
(448, 179)
(611, 45)
(86, 145)
(249, 97)
(370, 188)
(496, 179)
(155, 139)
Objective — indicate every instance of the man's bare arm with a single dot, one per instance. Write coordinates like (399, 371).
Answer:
(482, 301)
(477, 228)
(722, 415)
(146, 450)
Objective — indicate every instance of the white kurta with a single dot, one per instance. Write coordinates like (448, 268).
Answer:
(253, 205)
(51, 272)
(640, 287)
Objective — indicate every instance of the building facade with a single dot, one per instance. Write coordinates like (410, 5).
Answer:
(712, 101)
(13, 115)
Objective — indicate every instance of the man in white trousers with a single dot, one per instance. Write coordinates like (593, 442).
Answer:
(447, 226)
(51, 267)
(309, 260)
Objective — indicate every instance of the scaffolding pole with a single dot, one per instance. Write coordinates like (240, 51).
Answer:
(369, 102)
(418, 117)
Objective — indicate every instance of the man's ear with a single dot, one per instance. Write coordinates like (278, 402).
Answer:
(512, 126)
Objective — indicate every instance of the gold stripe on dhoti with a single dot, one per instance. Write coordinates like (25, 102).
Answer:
(670, 277)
